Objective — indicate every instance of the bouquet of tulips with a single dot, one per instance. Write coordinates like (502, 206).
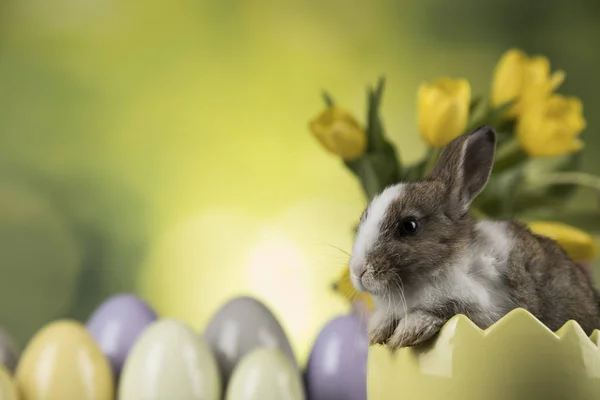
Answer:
(536, 169)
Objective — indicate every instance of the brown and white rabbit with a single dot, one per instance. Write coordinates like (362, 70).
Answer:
(424, 258)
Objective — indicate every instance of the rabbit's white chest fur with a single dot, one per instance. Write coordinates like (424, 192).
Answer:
(475, 279)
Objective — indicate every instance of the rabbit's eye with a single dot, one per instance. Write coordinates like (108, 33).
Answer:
(409, 226)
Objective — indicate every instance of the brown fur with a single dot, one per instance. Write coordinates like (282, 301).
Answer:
(546, 282)
(421, 255)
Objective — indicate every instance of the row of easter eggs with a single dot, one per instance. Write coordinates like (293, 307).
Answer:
(243, 354)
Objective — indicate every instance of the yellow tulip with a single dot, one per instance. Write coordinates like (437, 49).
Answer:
(443, 110)
(344, 287)
(339, 132)
(526, 80)
(579, 245)
(552, 128)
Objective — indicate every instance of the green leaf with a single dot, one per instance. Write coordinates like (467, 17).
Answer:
(477, 113)
(503, 136)
(414, 171)
(375, 131)
(327, 99)
(496, 116)
(524, 203)
(530, 194)
(514, 187)
(364, 171)
(568, 163)
(370, 181)
(475, 104)
(508, 154)
(376, 171)
(354, 166)
(497, 199)
(538, 166)
(386, 165)
(379, 167)
(536, 169)
(431, 160)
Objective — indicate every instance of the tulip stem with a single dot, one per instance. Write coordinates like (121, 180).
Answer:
(432, 156)
(509, 154)
(570, 178)
(511, 147)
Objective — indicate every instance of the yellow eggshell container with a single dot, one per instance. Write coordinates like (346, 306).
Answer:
(8, 390)
(62, 361)
(517, 358)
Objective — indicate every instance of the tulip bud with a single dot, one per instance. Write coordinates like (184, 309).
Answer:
(578, 245)
(523, 79)
(552, 128)
(339, 133)
(443, 110)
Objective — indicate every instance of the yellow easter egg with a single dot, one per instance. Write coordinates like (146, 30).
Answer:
(62, 361)
(8, 390)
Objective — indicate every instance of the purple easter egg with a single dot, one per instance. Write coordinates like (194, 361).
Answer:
(116, 325)
(337, 366)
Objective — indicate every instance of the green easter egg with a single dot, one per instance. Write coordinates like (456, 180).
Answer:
(265, 373)
(168, 361)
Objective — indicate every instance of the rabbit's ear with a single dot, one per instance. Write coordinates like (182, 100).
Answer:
(465, 165)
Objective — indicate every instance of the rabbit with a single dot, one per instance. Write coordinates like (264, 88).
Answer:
(424, 259)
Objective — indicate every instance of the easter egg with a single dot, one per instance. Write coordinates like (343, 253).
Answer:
(8, 391)
(337, 365)
(239, 327)
(62, 361)
(116, 325)
(265, 373)
(8, 352)
(168, 361)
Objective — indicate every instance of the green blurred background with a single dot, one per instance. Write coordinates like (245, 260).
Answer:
(162, 147)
